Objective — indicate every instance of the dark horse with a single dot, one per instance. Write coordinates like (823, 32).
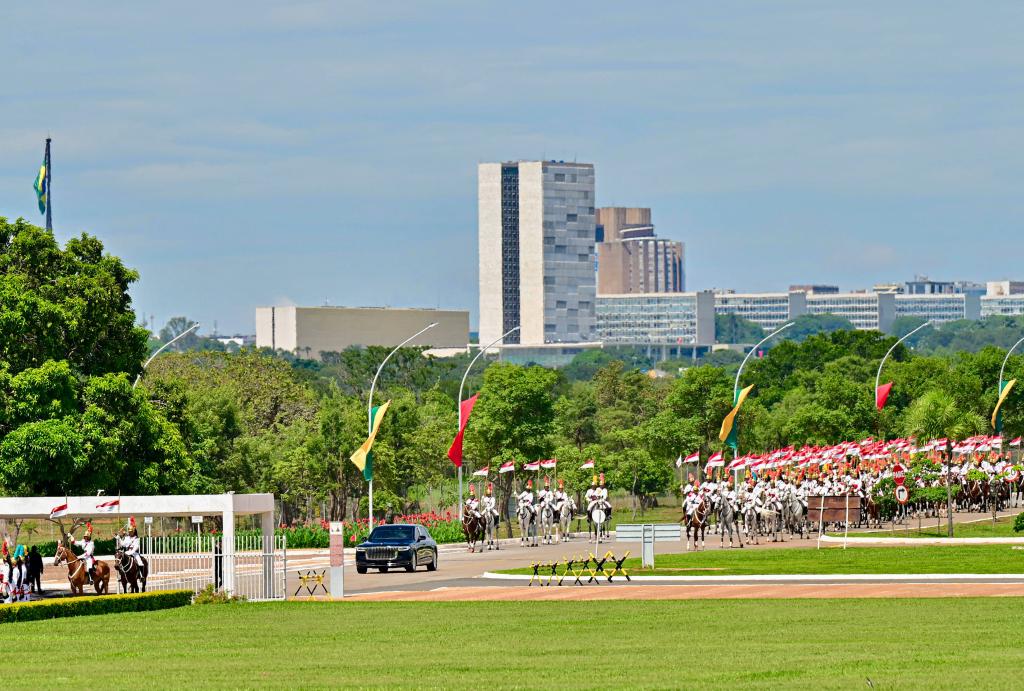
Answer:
(473, 527)
(129, 573)
(698, 522)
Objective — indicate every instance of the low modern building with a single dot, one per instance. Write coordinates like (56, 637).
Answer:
(767, 310)
(997, 288)
(939, 308)
(310, 331)
(869, 311)
(1002, 305)
(658, 320)
(814, 288)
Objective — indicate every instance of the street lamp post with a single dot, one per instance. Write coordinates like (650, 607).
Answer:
(369, 404)
(458, 404)
(999, 386)
(161, 349)
(736, 385)
(878, 376)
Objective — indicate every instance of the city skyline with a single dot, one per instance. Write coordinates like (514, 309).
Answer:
(804, 144)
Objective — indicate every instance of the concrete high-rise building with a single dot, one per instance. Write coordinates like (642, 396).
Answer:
(536, 236)
(630, 259)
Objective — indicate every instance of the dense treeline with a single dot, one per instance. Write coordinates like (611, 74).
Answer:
(207, 421)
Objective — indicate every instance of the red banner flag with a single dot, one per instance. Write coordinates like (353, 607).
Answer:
(455, 450)
(882, 395)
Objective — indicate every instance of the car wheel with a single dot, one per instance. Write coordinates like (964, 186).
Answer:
(383, 569)
(412, 564)
(360, 569)
(432, 566)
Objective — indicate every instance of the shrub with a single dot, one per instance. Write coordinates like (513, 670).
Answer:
(1018, 523)
(212, 596)
(96, 604)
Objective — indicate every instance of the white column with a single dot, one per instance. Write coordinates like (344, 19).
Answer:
(228, 545)
(267, 530)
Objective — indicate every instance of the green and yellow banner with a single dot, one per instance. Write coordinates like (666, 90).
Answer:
(363, 458)
(1004, 391)
(728, 433)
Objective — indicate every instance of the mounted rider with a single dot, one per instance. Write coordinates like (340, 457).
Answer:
(130, 542)
(545, 496)
(691, 496)
(591, 494)
(525, 498)
(88, 548)
(472, 503)
(561, 498)
(490, 505)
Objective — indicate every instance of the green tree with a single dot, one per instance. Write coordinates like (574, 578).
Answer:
(732, 328)
(68, 304)
(936, 415)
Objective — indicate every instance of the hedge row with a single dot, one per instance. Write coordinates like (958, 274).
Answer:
(97, 604)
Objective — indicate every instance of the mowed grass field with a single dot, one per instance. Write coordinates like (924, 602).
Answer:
(927, 643)
(977, 559)
(1003, 527)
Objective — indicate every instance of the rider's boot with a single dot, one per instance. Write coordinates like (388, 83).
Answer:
(88, 576)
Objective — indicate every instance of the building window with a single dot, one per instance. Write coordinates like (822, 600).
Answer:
(559, 177)
(571, 218)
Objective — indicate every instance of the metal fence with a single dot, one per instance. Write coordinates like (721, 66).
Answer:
(255, 569)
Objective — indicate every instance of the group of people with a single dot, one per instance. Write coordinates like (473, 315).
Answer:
(126, 541)
(596, 496)
(21, 573)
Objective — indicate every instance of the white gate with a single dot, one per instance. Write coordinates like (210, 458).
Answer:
(255, 570)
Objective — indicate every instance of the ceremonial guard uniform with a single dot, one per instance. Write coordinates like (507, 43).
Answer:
(489, 503)
(560, 497)
(472, 503)
(88, 548)
(526, 497)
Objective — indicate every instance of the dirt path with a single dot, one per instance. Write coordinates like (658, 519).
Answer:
(694, 592)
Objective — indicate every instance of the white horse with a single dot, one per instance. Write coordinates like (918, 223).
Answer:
(547, 521)
(598, 519)
(526, 523)
(565, 514)
(727, 519)
(490, 530)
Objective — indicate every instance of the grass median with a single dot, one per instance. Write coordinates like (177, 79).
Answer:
(1003, 527)
(945, 643)
(979, 559)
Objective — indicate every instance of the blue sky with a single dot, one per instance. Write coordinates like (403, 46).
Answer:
(242, 154)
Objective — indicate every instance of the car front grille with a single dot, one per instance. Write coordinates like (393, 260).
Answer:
(382, 553)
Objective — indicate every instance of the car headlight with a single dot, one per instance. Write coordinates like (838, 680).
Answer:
(404, 549)
(360, 549)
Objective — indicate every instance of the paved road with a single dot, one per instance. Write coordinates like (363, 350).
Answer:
(459, 568)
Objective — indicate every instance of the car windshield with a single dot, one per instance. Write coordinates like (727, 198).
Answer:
(392, 532)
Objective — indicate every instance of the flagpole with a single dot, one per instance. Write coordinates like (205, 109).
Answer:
(878, 376)
(49, 190)
(369, 408)
(458, 403)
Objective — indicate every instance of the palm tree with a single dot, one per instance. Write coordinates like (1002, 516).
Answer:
(936, 415)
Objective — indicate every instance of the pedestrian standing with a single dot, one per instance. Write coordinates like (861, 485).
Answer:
(35, 571)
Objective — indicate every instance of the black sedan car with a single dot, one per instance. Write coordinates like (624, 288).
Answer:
(398, 544)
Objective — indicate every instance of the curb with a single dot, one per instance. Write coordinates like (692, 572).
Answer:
(800, 578)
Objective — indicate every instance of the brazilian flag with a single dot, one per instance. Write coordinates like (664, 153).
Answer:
(40, 187)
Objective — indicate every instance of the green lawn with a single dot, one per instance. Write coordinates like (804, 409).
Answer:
(834, 560)
(1002, 528)
(939, 643)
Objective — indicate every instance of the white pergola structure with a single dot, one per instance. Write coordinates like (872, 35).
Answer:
(174, 505)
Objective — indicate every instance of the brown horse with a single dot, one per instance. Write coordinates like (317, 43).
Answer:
(697, 522)
(77, 576)
(130, 573)
(473, 527)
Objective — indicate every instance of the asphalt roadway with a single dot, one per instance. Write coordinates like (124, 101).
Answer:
(461, 574)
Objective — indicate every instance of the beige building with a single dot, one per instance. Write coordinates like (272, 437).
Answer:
(309, 331)
(630, 259)
(536, 243)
